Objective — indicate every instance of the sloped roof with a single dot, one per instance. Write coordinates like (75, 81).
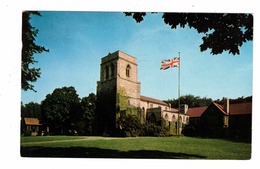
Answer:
(219, 107)
(32, 121)
(240, 108)
(173, 110)
(196, 111)
(234, 109)
(152, 100)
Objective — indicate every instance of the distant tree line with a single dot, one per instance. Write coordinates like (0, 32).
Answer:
(190, 100)
(237, 100)
(197, 101)
(64, 112)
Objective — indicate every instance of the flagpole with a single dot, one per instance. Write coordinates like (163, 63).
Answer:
(179, 106)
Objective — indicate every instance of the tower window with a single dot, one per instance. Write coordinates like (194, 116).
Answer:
(106, 73)
(112, 70)
(128, 68)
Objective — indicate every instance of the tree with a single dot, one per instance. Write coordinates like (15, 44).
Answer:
(29, 33)
(31, 110)
(60, 109)
(222, 32)
(234, 101)
(23, 110)
(88, 108)
(191, 101)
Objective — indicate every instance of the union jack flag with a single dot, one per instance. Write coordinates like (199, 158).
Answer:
(175, 62)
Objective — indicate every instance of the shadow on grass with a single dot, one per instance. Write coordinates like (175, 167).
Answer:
(241, 140)
(83, 152)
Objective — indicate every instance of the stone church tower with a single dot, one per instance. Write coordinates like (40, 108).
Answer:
(118, 91)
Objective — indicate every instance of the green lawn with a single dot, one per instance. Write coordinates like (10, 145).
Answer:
(48, 138)
(137, 147)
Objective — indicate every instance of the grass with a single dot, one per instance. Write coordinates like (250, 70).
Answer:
(48, 138)
(137, 147)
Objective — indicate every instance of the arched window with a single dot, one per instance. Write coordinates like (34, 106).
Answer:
(143, 109)
(112, 70)
(167, 122)
(128, 68)
(180, 119)
(166, 117)
(106, 72)
(142, 115)
(180, 122)
(173, 118)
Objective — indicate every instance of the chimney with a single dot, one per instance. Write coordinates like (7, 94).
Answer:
(183, 108)
(226, 105)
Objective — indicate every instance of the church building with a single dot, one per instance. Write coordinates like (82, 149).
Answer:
(118, 94)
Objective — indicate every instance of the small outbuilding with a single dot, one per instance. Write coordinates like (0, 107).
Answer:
(32, 124)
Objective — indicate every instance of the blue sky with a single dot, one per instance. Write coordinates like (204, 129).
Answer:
(78, 40)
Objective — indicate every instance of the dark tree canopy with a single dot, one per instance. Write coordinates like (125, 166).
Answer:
(88, 107)
(29, 33)
(197, 101)
(191, 101)
(241, 99)
(31, 110)
(223, 32)
(60, 109)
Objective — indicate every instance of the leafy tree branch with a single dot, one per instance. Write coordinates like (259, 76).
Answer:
(222, 32)
(30, 48)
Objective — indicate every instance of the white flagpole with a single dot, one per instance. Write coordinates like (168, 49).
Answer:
(179, 106)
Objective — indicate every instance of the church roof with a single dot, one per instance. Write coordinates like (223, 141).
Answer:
(152, 100)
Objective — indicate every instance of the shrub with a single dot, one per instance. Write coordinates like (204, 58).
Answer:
(190, 130)
(126, 134)
(129, 126)
(164, 132)
(27, 133)
(151, 129)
